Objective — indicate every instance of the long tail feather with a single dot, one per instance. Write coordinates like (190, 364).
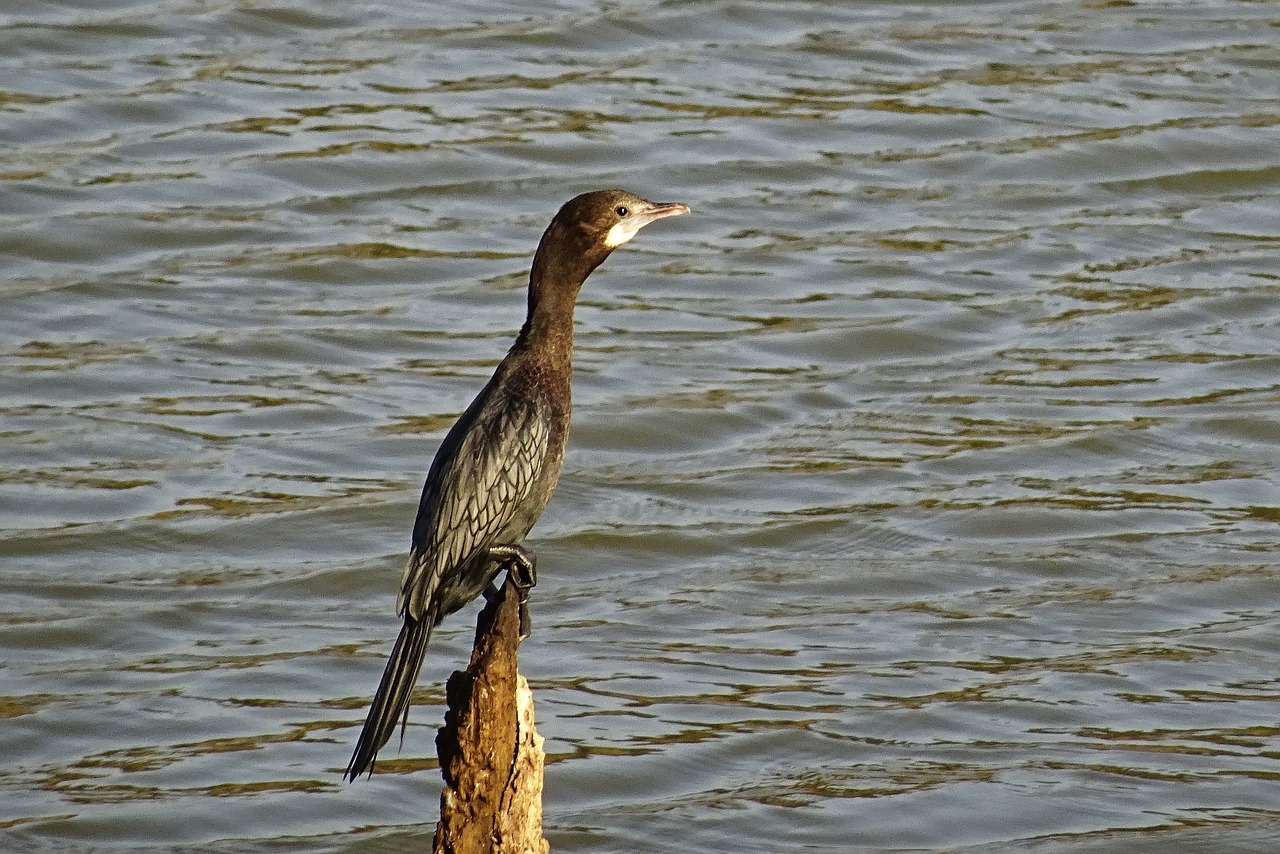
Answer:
(391, 702)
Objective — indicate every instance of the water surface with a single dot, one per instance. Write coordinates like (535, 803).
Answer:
(922, 491)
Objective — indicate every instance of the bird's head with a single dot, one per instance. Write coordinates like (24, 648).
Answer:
(590, 226)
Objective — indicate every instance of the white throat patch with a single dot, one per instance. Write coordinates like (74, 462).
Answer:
(623, 231)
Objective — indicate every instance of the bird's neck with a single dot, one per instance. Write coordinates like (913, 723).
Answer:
(554, 282)
(548, 328)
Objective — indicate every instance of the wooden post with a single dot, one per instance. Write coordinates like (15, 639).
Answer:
(490, 754)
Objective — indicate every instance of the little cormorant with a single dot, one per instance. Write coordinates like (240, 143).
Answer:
(498, 465)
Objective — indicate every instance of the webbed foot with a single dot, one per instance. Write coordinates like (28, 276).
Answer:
(522, 569)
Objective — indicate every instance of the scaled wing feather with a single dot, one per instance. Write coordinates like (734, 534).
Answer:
(483, 486)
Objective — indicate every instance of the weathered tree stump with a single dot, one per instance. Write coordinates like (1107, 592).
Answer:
(490, 754)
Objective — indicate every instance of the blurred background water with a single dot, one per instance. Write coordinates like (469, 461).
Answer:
(922, 493)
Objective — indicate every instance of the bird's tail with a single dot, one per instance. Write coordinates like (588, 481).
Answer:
(391, 702)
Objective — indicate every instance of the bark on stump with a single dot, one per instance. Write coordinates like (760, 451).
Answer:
(490, 754)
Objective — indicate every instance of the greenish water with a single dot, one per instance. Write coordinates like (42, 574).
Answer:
(922, 494)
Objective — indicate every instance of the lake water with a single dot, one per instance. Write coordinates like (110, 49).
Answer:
(923, 489)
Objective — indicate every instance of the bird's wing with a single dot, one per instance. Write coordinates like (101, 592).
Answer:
(481, 478)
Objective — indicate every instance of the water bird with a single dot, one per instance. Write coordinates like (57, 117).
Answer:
(498, 465)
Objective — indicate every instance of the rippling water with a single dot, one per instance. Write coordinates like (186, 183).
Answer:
(922, 493)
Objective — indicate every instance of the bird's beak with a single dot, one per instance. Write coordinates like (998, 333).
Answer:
(625, 230)
(658, 210)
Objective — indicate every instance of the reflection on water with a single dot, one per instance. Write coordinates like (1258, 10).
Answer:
(921, 493)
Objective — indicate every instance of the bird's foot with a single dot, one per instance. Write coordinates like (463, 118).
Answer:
(520, 564)
(522, 569)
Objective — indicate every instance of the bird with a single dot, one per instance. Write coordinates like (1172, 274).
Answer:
(497, 467)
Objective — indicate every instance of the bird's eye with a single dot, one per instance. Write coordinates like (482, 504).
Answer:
(621, 210)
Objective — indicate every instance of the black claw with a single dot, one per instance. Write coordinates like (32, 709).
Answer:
(524, 577)
(526, 622)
